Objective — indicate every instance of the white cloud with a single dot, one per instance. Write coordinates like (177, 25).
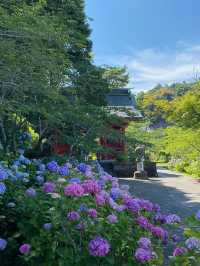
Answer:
(149, 67)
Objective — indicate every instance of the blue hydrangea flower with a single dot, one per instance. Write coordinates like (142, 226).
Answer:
(173, 218)
(42, 167)
(82, 167)
(63, 170)
(16, 163)
(74, 180)
(3, 174)
(192, 243)
(115, 193)
(2, 188)
(40, 179)
(83, 207)
(27, 161)
(198, 215)
(31, 192)
(19, 175)
(21, 151)
(3, 244)
(47, 226)
(24, 160)
(52, 166)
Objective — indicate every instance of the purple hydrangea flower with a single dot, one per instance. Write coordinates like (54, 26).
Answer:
(31, 192)
(112, 219)
(89, 173)
(100, 199)
(145, 205)
(192, 243)
(198, 215)
(143, 255)
(132, 204)
(101, 183)
(178, 251)
(3, 244)
(120, 208)
(156, 207)
(74, 190)
(158, 231)
(98, 247)
(49, 187)
(92, 213)
(52, 166)
(142, 222)
(47, 226)
(175, 238)
(25, 248)
(80, 226)
(73, 216)
(63, 170)
(159, 217)
(144, 242)
(165, 237)
(2, 188)
(172, 219)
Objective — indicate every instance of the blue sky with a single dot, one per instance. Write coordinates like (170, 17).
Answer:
(158, 40)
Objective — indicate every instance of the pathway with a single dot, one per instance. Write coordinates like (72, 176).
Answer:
(174, 192)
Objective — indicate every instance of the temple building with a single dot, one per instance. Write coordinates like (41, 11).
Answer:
(121, 102)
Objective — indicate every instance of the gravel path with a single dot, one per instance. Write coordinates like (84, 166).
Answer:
(174, 192)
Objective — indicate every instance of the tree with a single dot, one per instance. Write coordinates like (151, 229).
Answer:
(117, 77)
(47, 79)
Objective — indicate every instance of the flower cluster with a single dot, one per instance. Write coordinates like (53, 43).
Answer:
(59, 210)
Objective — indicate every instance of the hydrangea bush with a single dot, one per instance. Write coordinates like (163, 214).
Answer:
(69, 214)
(187, 251)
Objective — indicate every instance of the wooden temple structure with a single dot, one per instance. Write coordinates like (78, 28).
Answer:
(121, 102)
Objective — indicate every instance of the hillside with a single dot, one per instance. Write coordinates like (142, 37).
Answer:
(154, 104)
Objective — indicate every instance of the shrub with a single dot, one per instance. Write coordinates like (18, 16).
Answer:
(68, 214)
(187, 252)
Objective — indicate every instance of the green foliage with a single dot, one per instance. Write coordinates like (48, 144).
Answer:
(23, 216)
(192, 255)
(117, 76)
(48, 83)
(156, 104)
(175, 111)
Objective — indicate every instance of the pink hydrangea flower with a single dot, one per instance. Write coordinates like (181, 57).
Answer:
(91, 186)
(74, 190)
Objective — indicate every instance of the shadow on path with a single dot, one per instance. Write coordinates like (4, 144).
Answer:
(171, 199)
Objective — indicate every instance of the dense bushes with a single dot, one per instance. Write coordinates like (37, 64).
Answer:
(75, 215)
